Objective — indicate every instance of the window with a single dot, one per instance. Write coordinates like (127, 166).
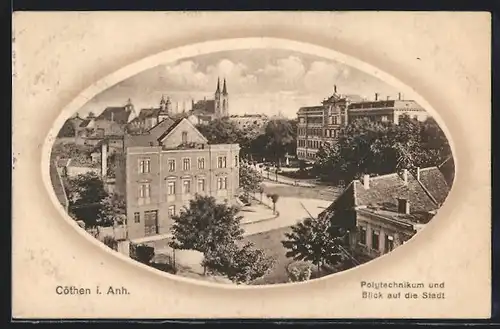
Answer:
(375, 240)
(137, 217)
(201, 185)
(236, 161)
(171, 211)
(186, 187)
(222, 183)
(171, 165)
(389, 243)
(362, 235)
(144, 166)
(171, 188)
(184, 137)
(186, 164)
(221, 162)
(385, 118)
(201, 163)
(144, 190)
(151, 222)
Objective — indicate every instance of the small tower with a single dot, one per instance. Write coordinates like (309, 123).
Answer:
(168, 105)
(163, 103)
(129, 107)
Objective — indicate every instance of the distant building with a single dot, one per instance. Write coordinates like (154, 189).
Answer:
(383, 212)
(148, 118)
(321, 125)
(204, 111)
(387, 110)
(163, 168)
(250, 121)
(111, 122)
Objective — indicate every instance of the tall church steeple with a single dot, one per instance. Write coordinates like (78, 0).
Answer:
(224, 89)
(218, 86)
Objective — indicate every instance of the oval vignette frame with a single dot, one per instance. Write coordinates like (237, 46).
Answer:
(203, 48)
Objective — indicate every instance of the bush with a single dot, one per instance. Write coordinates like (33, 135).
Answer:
(299, 271)
(142, 253)
(110, 242)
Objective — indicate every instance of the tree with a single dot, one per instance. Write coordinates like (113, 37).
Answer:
(281, 138)
(112, 211)
(86, 194)
(261, 191)
(206, 225)
(314, 240)
(221, 131)
(250, 179)
(370, 147)
(274, 198)
(240, 265)
(110, 242)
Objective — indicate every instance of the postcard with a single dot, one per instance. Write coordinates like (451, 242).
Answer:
(251, 165)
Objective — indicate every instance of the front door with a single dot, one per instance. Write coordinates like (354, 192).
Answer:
(151, 222)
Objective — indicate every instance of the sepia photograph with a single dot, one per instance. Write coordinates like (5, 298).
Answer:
(252, 167)
(227, 165)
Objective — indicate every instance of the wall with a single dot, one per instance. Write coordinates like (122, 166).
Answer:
(75, 171)
(159, 176)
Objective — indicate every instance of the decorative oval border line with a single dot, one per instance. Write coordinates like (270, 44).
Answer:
(203, 48)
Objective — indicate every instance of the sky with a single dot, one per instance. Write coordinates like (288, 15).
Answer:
(268, 81)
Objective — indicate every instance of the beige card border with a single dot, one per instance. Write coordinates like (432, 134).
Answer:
(461, 191)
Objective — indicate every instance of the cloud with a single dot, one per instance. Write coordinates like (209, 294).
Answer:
(322, 76)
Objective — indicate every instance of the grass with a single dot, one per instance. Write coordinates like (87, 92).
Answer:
(270, 242)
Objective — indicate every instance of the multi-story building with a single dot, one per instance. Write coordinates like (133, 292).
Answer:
(319, 125)
(387, 110)
(382, 212)
(164, 168)
(250, 121)
(150, 117)
(111, 122)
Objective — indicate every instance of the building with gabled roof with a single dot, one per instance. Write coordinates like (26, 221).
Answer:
(382, 212)
(162, 169)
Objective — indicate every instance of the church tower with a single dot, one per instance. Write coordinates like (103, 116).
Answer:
(225, 100)
(217, 100)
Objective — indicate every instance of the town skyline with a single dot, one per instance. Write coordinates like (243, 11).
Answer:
(267, 82)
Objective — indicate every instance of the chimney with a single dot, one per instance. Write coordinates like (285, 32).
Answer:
(112, 116)
(418, 173)
(366, 181)
(405, 176)
(376, 96)
(104, 159)
(335, 89)
(388, 97)
(404, 206)
(399, 96)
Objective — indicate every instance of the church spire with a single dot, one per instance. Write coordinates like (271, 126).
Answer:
(224, 89)
(218, 86)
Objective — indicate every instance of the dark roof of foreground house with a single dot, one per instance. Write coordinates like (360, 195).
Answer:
(152, 135)
(118, 114)
(84, 123)
(424, 195)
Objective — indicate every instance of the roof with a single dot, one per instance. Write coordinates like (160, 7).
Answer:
(84, 123)
(204, 106)
(116, 114)
(424, 195)
(150, 136)
(170, 128)
(150, 113)
(311, 108)
(396, 104)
